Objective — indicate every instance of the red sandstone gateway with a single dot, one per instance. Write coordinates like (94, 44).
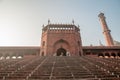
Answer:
(61, 40)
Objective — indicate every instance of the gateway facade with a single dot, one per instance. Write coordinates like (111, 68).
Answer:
(61, 40)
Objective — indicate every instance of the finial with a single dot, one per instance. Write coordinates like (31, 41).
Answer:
(43, 25)
(48, 21)
(100, 43)
(73, 21)
(78, 26)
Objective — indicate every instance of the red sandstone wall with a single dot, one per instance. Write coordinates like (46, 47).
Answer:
(70, 37)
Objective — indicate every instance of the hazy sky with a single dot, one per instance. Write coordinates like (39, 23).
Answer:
(21, 20)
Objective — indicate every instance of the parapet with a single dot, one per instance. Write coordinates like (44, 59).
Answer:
(60, 27)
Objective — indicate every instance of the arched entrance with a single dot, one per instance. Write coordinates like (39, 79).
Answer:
(42, 54)
(61, 52)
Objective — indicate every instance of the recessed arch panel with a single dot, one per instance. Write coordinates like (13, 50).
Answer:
(61, 44)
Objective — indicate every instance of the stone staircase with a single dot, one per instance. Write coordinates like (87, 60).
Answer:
(60, 68)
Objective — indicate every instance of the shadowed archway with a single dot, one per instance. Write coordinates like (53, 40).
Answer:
(61, 52)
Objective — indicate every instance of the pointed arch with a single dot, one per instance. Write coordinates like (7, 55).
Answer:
(61, 41)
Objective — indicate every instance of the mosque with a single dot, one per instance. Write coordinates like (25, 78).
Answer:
(62, 56)
(65, 40)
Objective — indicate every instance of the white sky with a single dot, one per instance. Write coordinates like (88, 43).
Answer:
(21, 20)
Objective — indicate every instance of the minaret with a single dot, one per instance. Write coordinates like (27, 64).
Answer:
(106, 31)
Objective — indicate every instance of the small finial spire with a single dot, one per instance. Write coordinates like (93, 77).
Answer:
(78, 26)
(100, 43)
(43, 25)
(73, 21)
(48, 21)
